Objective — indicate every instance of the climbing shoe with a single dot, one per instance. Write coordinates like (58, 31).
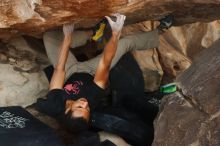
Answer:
(98, 30)
(166, 22)
(168, 88)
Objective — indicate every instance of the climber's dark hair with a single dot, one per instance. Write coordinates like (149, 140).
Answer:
(73, 124)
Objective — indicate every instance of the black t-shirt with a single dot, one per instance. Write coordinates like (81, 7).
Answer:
(77, 86)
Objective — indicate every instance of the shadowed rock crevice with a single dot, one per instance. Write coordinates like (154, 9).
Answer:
(195, 104)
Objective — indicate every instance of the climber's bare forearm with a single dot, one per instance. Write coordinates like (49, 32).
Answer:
(102, 72)
(64, 51)
(110, 50)
(58, 77)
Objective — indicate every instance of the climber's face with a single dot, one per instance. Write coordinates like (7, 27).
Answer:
(78, 108)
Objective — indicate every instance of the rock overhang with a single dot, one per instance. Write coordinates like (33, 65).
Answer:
(33, 17)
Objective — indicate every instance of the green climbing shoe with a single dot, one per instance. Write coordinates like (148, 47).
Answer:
(168, 88)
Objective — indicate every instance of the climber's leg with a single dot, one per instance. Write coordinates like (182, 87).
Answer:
(139, 41)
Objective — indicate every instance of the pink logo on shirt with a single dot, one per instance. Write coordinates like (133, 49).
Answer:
(73, 88)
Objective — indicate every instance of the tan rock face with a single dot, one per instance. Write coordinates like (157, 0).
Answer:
(36, 16)
(21, 78)
(180, 45)
(150, 67)
(172, 61)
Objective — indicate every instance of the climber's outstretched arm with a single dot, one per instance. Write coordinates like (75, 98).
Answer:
(58, 77)
(103, 68)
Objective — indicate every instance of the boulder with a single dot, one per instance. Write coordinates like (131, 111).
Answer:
(21, 78)
(190, 116)
(172, 61)
(33, 17)
(151, 69)
(190, 39)
(180, 45)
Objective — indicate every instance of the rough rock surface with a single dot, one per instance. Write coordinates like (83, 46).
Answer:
(172, 61)
(180, 45)
(190, 39)
(35, 16)
(191, 116)
(21, 78)
(151, 69)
